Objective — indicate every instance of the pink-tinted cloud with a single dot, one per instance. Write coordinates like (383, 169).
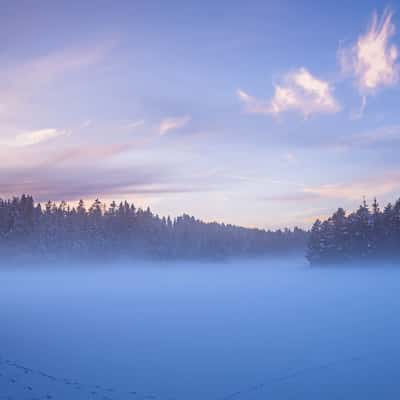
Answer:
(375, 186)
(170, 124)
(299, 91)
(372, 60)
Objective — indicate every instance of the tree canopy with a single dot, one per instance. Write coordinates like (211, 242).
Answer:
(365, 235)
(108, 232)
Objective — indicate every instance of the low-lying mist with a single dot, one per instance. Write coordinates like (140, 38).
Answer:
(241, 329)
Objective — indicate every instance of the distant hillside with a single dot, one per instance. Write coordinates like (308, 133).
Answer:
(124, 231)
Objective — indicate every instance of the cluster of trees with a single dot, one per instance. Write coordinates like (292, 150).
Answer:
(57, 230)
(364, 235)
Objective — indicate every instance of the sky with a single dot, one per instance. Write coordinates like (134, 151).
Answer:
(263, 114)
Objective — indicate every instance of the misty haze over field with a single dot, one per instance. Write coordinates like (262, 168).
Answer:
(245, 330)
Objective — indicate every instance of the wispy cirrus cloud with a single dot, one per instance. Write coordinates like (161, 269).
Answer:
(385, 134)
(72, 182)
(33, 137)
(293, 197)
(299, 91)
(372, 59)
(381, 185)
(56, 64)
(22, 84)
(19, 83)
(135, 124)
(87, 153)
(169, 124)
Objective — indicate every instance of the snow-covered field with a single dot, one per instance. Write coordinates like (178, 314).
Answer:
(265, 330)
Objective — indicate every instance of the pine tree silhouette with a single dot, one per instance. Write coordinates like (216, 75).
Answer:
(58, 231)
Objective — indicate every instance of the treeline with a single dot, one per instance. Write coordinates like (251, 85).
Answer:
(122, 231)
(365, 235)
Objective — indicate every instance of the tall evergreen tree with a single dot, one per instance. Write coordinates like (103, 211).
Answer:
(360, 236)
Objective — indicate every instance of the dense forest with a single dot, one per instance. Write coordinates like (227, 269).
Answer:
(122, 231)
(364, 235)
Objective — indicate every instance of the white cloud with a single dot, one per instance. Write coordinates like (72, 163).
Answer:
(252, 105)
(169, 124)
(35, 137)
(372, 60)
(299, 91)
(135, 124)
(244, 96)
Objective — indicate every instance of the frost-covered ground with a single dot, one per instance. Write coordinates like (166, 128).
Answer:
(244, 331)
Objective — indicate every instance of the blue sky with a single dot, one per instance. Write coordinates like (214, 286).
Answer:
(265, 114)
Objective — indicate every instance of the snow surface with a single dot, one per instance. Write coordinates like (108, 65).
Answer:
(247, 330)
